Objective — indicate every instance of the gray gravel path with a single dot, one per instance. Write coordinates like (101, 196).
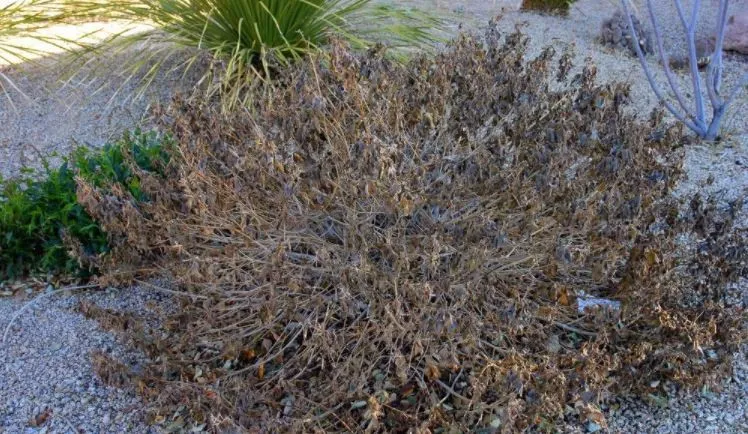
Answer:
(47, 363)
(48, 116)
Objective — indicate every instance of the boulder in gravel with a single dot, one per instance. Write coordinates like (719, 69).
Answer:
(615, 33)
(736, 34)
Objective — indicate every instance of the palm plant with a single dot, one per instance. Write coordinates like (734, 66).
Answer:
(245, 37)
(696, 118)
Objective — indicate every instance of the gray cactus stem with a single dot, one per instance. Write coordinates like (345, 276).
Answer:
(719, 105)
(699, 129)
(664, 59)
(693, 61)
(719, 43)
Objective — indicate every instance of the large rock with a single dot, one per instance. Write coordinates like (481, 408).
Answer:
(736, 34)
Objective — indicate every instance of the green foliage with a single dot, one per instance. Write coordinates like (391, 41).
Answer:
(35, 216)
(245, 30)
(40, 211)
(116, 163)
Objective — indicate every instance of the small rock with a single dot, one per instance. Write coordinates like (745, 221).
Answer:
(593, 427)
(592, 302)
(615, 32)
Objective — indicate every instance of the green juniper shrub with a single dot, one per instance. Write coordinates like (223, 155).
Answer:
(39, 211)
(35, 216)
(113, 164)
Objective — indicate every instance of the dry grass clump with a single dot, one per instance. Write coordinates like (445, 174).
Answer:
(378, 247)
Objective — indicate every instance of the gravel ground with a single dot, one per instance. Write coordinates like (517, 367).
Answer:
(709, 411)
(53, 343)
(47, 365)
(48, 116)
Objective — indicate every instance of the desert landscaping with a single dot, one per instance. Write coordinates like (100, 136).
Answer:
(411, 216)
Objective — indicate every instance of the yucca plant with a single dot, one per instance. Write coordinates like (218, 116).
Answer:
(250, 29)
(246, 38)
(30, 19)
(23, 21)
(18, 18)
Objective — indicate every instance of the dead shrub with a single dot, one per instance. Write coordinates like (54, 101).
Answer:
(109, 319)
(378, 247)
(110, 371)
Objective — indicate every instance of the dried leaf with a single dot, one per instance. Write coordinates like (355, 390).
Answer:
(41, 418)
(432, 372)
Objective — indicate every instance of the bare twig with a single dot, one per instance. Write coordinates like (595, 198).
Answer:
(451, 391)
(693, 126)
(169, 291)
(696, 121)
(664, 59)
(574, 329)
